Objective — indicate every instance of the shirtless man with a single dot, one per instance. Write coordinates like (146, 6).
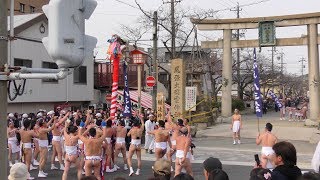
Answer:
(236, 126)
(183, 154)
(43, 144)
(162, 136)
(26, 137)
(12, 142)
(267, 140)
(121, 133)
(109, 148)
(135, 146)
(56, 140)
(174, 134)
(93, 150)
(72, 154)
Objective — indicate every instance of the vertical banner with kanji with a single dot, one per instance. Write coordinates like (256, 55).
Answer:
(178, 85)
(160, 107)
(191, 98)
(126, 94)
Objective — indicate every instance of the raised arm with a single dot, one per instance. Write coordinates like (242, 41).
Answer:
(80, 132)
(61, 120)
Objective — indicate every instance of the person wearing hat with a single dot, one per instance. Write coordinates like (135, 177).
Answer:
(19, 171)
(162, 168)
(149, 138)
(183, 155)
(12, 142)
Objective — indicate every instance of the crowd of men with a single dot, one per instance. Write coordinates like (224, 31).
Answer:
(91, 141)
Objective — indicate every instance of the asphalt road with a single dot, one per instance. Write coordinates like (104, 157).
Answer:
(234, 172)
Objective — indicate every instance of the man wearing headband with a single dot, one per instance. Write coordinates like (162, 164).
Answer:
(267, 140)
(149, 138)
(183, 154)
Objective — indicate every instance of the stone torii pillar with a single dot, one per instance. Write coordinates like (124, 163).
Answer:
(313, 59)
(226, 74)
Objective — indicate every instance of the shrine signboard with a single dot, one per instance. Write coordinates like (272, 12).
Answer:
(178, 84)
(267, 33)
(160, 107)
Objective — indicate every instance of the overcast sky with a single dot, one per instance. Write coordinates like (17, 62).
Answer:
(109, 14)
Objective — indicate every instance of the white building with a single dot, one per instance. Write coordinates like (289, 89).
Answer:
(75, 91)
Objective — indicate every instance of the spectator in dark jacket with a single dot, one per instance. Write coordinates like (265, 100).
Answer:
(285, 160)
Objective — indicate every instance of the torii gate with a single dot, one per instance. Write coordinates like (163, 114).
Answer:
(227, 25)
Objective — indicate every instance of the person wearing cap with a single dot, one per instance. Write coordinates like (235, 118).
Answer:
(266, 140)
(26, 148)
(183, 154)
(19, 171)
(43, 144)
(162, 168)
(209, 165)
(23, 117)
(93, 150)
(149, 138)
(121, 133)
(57, 130)
(12, 142)
(135, 146)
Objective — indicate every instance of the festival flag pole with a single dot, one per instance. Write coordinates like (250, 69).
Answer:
(257, 92)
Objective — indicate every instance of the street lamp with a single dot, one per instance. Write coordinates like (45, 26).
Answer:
(139, 57)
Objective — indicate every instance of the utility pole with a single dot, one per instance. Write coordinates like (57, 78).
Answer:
(154, 59)
(240, 96)
(173, 28)
(302, 59)
(3, 88)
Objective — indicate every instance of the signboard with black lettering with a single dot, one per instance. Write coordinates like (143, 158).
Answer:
(160, 107)
(267, 33)
(178, 84)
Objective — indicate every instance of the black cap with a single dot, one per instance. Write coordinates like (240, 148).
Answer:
(212, 163)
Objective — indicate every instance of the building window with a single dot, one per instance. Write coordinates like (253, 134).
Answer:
(80, 75)
(22, 6)
(32, 9)
(23, 62)
(49, 65)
